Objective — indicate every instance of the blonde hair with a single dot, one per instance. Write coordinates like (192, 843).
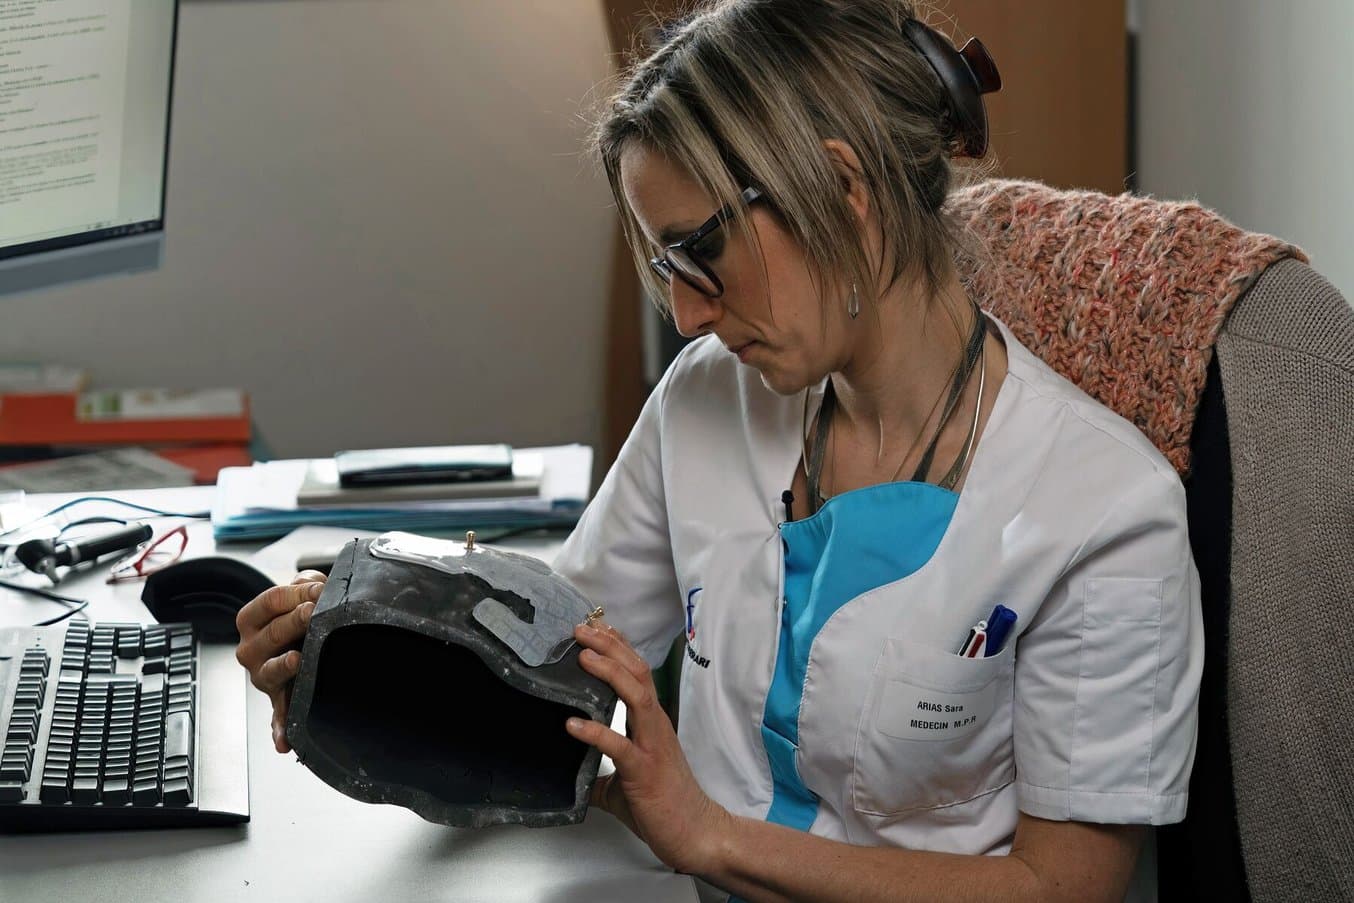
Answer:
(744, 92)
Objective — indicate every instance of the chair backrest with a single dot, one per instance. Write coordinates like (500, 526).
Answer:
(1129, 298)
(1286, 360)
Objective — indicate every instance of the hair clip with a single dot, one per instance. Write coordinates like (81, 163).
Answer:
(966, 75)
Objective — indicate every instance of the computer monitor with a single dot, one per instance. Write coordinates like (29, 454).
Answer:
(84, 126)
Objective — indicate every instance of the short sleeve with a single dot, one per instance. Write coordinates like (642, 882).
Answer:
(1107, 675)
(620, 555)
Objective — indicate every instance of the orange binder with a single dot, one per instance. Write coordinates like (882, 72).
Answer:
(66, 418)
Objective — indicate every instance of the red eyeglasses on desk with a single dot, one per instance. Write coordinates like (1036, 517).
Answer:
(156, 555)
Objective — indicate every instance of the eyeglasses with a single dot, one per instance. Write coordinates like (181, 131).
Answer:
(152, 557)
(683, 259)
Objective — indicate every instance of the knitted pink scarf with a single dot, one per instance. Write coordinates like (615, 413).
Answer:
(1122, 295)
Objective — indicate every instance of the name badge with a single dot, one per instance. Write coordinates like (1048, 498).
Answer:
(910, 712)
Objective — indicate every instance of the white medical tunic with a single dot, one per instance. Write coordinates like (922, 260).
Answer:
(1068, 516)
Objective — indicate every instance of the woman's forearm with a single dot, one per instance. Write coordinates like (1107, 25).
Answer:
(760, 861)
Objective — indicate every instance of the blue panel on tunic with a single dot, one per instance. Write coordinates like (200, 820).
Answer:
(858, 541)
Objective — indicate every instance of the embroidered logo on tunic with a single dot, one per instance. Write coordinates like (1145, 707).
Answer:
(691, 653)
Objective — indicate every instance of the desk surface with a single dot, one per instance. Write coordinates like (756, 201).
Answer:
(306, 841)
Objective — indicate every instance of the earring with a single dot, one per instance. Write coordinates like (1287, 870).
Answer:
(853, 306)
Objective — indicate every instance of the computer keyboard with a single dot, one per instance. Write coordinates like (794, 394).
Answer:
(116, 725)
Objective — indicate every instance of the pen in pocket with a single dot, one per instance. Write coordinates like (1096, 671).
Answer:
(973, 643)
(999, 625)
(986, 638)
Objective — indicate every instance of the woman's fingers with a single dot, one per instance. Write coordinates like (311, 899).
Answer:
(643, 712)
(618, 664)
(607, 656)
(594, 733)
(282, 631)
(261, 616)
(275, 679)
(273, 603)
(609, 641)
(278, 671)
(271, 626)
(277, 636)
(280, 702)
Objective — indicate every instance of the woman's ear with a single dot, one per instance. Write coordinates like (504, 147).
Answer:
(850, 175)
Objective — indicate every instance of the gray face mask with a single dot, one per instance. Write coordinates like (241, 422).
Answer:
(438, 675)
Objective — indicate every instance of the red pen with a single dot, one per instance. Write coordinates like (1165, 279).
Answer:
(977, 638)
(979, 643)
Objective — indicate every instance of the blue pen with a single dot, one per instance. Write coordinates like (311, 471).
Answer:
(999, 624)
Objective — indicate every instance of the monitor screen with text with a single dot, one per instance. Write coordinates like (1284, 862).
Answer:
(84, 120)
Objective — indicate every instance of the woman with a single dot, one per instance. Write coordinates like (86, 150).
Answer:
(832, 490)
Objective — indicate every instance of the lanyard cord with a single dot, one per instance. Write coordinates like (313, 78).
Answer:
(973, 351)
(957, 468)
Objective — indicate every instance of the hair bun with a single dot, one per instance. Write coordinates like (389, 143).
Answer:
(966, 75)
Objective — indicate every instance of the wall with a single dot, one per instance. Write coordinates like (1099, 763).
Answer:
(379, 222)
(1059, 117)
(1245, 105)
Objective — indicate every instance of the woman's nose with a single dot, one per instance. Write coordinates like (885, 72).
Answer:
(694, 313)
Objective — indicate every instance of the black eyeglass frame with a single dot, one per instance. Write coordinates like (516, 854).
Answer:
(663, 264)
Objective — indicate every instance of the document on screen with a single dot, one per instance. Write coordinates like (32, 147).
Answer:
(63, 66)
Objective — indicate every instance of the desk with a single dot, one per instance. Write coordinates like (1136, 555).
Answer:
(306, 841)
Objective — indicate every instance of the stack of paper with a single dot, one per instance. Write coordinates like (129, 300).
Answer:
(260, 502)
(117, 468)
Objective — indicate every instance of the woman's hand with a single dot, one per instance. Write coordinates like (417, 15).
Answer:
(652, 790)
(271, 629)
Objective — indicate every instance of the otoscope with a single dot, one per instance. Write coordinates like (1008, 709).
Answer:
(46, 555)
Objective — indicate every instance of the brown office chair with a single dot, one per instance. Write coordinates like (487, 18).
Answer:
(1237, 360)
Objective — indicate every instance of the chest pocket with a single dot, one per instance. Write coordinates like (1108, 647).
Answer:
(935, 729)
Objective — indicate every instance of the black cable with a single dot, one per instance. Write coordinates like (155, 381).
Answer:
(78, 605)
(493, 535)
(90, 520)
(59, 618)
